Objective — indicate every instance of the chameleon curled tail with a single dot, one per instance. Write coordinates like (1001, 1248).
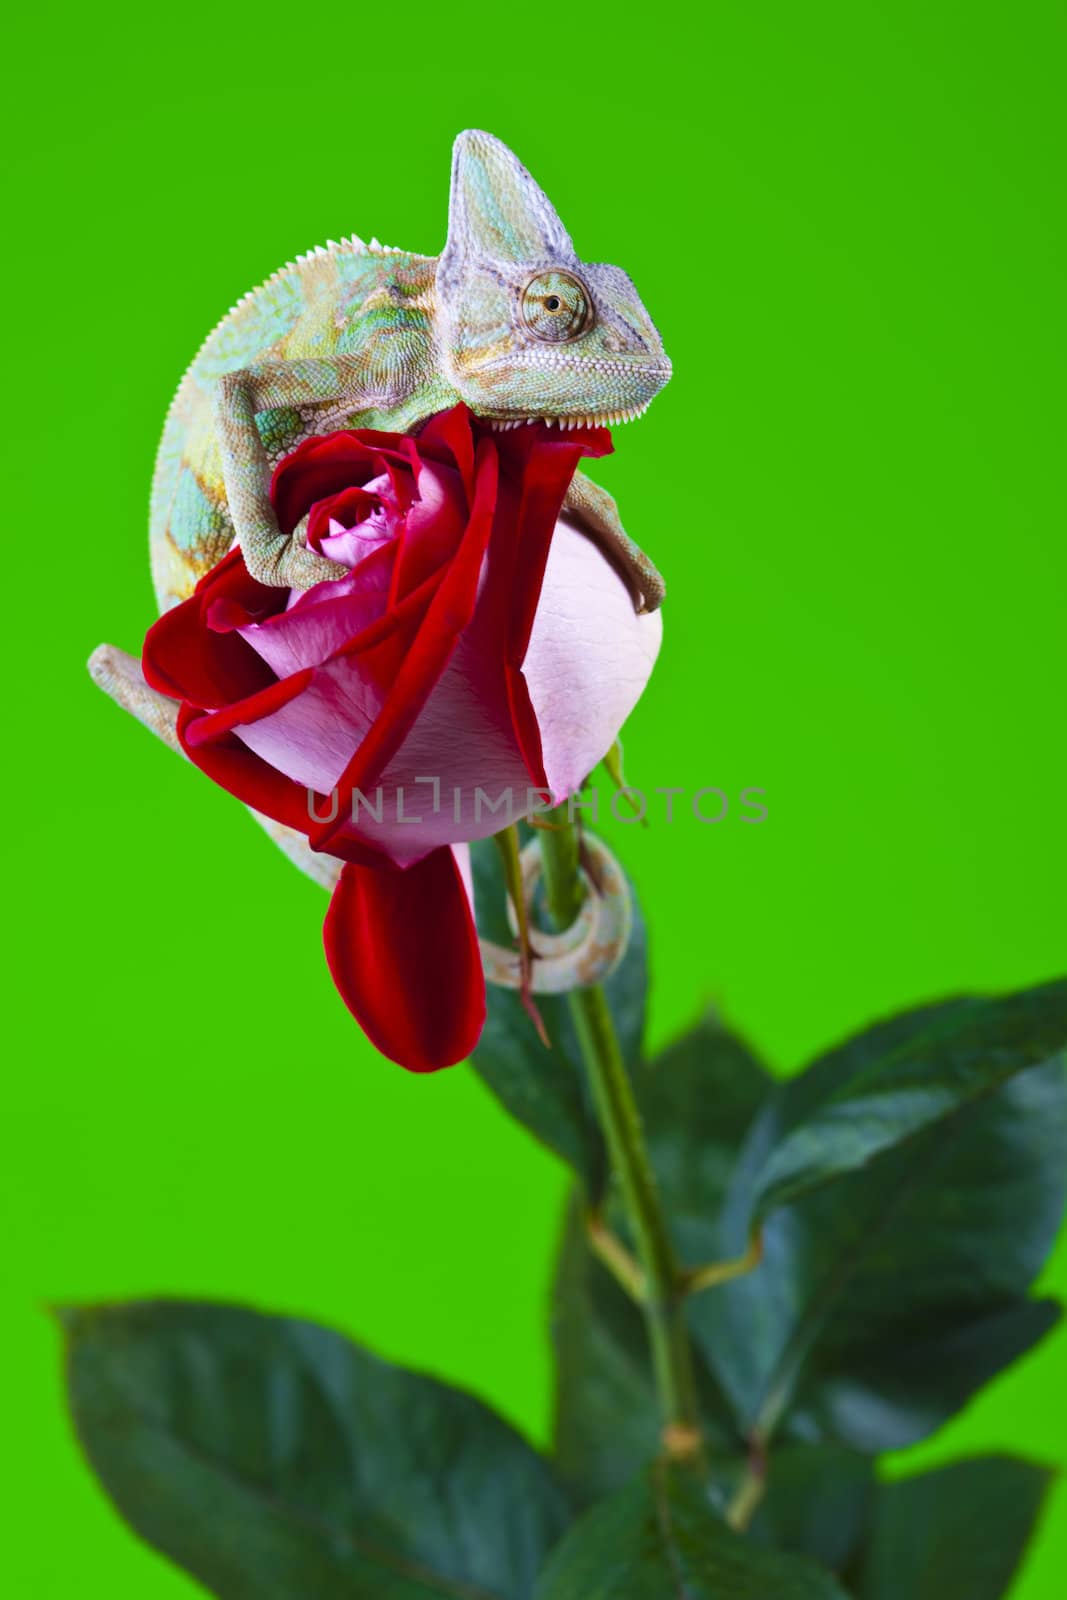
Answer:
(586, 953)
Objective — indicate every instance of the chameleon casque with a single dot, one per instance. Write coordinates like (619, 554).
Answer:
(506, 319)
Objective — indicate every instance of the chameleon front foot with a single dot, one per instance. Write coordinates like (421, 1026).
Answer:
(283, 563)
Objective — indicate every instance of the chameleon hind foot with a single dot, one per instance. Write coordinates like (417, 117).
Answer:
(120, 676)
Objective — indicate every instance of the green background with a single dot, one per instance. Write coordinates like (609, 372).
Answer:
(847, 220)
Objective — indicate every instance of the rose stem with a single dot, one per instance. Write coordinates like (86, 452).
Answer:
(664, 1296)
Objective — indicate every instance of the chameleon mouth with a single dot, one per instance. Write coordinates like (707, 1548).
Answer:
(601, 419)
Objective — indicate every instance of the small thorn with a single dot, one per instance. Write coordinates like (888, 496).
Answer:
(529, 1005)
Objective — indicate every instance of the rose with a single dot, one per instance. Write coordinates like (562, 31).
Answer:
(477, 645)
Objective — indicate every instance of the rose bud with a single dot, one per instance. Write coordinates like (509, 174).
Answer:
(478, 644)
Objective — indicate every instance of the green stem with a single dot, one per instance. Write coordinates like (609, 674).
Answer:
(664, 1293)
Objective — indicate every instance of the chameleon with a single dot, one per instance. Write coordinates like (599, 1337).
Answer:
(353, 335)
(507, 319)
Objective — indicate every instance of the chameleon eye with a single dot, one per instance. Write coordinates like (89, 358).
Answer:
(556, 307)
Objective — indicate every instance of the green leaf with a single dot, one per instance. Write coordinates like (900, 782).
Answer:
(547, 1090)
(896, 1394)
(697, 1100)
(888, 1297)
(955, 1534)
(818, 1502)
(659, 1538)
(274, 1460)
(889, 1292)
(889, 1085)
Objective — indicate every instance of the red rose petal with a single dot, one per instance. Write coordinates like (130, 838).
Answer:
(449, 437)
(185, 658)
(447, 615)
(326, 464)
(278, 692)
(234, 767)
(401, 944)
(403, 952)
(349, 507)
(432, 528)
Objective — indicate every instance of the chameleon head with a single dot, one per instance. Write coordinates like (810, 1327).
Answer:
(526, 330)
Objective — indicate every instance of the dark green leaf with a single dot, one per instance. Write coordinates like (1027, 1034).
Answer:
(955, 1534)
(887, 1298)
(887, 1086)
(818, 1503)
(275, 1461)
(547, 1090)
(895, 1392)
(660, 1539)
(697, 1099)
